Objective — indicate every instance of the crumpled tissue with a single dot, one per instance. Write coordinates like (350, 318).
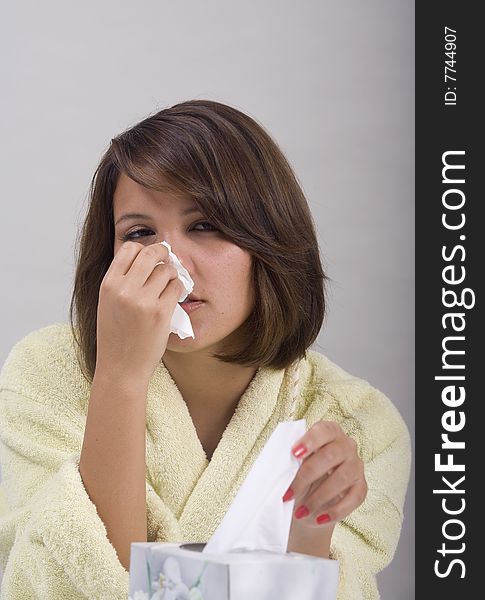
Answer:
(258, 519)
(180, 323)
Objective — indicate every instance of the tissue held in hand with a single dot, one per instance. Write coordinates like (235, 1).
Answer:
(258, 518)
(246, 557)
(180, 323)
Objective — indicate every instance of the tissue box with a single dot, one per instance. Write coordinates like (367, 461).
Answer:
(160, 571)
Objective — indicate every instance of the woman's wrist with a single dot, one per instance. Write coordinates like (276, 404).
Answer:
(131, 384)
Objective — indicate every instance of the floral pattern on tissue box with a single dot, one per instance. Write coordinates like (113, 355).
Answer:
(169, 585)
(170, 571)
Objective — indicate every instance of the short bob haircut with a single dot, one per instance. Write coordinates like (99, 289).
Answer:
(243, 184)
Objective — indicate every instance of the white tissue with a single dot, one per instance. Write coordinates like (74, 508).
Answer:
(258, 519)
(180, 323)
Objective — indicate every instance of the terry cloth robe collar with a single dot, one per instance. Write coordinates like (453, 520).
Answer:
(192, 493)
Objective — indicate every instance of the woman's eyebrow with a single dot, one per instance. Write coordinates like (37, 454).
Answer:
(128, 216)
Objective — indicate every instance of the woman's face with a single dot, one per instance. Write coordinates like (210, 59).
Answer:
(221, 271)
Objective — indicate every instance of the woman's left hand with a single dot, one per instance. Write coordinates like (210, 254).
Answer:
(330, 482)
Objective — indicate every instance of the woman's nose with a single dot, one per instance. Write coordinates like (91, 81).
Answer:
(184, 259)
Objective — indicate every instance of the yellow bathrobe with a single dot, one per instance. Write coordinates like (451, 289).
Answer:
(53, 544)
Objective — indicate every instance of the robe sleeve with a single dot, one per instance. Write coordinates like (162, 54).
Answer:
(365, 542)
(53, 544)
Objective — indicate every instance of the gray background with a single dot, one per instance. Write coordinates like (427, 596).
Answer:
(332, 82)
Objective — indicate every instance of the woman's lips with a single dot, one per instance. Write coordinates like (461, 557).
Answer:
(191, 305)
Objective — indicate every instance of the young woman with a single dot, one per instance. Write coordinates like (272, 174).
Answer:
(114, 430)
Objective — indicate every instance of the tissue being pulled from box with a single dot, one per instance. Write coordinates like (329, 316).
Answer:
(257, 518)
(246, 556)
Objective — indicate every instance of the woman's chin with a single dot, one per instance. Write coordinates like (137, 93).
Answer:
(174, 341)
(189, 343)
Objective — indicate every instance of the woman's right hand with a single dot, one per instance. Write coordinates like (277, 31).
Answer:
(136, 303)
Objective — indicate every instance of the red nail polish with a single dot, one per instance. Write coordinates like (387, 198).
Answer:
(323, 518)
(289, 494)
(301, 511)
(300, 450)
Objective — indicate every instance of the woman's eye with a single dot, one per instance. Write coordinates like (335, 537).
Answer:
(130, 236)
(212, 228)
(134, 235)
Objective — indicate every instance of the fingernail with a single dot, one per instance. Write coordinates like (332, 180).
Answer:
(289, 494)
(301, 511)
(299, 450)
(323, 518)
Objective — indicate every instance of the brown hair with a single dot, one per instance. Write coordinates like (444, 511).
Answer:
(242, 182)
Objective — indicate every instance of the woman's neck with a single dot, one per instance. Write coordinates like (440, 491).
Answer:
(211, 390)
(206, 380)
